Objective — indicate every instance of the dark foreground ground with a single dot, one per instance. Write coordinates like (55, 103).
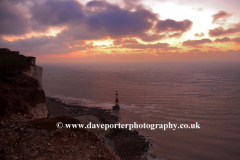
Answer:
(127, 144)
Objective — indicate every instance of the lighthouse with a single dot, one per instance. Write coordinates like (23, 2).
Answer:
(116, 107)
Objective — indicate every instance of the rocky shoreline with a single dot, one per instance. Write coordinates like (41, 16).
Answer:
(28, 121)
(126, 144)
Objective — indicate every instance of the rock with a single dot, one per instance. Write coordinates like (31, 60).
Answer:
(14, 157)
(116, 107)
(40, 111)
(21, 86)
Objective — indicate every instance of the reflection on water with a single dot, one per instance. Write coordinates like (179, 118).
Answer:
(162, 93)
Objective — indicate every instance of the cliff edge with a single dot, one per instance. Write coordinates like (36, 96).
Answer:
(21, 86)
(25, 132)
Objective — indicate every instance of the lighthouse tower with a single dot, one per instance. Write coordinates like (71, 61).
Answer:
(116, 107)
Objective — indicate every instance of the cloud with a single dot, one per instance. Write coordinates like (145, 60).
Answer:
(149, 38)
(174, 28)
(118, 42)
(225, 39)
(220, 17)
(130, 41)
(13, 20)
(198, 55)
(55, 13)
(237, 40)
(178, 34)
(132, 3)
(95, 20)
(209, 52)
(195, 43)
(221, 31)
(144, 46)
(195, 51)
(118, 22)
(162, 46)
(104, 20)
(45, 45)
(134, 44)
(170, 48)
(199, 34)
(121, 41)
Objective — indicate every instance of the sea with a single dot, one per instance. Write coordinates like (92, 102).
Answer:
(205, 93)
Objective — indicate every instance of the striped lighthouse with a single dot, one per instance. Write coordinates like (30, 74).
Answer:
(116, 107)
(116, 99)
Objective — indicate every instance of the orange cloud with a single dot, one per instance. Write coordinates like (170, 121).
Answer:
(225, 39)
(196, 43)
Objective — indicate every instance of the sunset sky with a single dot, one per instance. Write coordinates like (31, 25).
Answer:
(83, 31)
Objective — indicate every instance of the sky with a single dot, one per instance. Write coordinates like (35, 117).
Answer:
(122, 31)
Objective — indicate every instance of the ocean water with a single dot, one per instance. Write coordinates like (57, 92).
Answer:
(161, 93)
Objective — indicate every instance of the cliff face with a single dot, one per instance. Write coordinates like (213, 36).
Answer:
(40, 111)
(35, 72)
(25, 132)
(20, 86)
